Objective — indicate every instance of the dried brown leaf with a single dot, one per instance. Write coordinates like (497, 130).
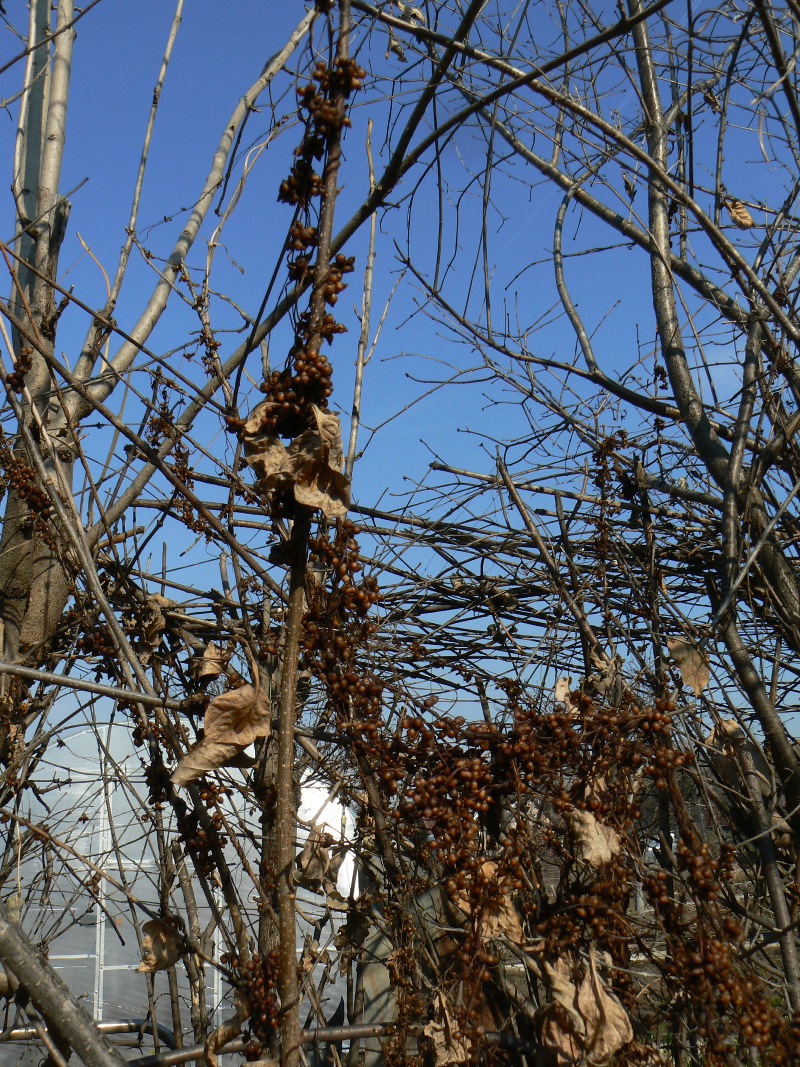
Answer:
(314, 860)
(449, 1047)
(228, 1029)
(212, 664)
(153, 621)
(562, 693)
(557, 1037)
(586, 1024)
(739, 214)
(597, 843)
(332, 875)
(411, 14)
(605, 672)
(238, 717)
(311, 466)
(319, 459)
(558, 977)
(396, 48)
(691, 663)
(501, 920)
(233, 720)
(205, 757)
(608, 1028)
(726, 744)
(161, 946)
(713, 101)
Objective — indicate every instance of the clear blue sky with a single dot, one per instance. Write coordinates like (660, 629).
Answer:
(220, 50)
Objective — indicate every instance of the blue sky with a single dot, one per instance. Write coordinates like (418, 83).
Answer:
(117, 56)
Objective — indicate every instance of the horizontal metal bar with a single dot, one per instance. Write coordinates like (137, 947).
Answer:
(122, 1026)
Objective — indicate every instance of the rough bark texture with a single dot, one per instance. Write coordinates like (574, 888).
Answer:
(51, 998)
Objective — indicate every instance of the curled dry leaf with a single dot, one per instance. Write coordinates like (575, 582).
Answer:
(238, 717)
(332, 876)
(228, 1029)
(161, 946)
(212, 664)
(608, 1028)
(396, 48)
(597, 843)
(153, 621)
(739, 214)
(564, 991)
(314, 861)
(713, 101)
(449, 1047)
(586, 1024)
(726, 744)
(353, 931)
(411, 14)
(605, 672)
(311, 466)
(562, 693)
(208, 756)
(691, 662)
(557, 1037)
(496, 920)
(233, 721)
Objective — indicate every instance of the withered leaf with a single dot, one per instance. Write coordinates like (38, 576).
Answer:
(314, 860)
(238, 717)
(563, 990)
(586, 1024)
(153, 621)
(562, 693)
(212, 663)
(605, 672)
(608, 1027)
(449, 1047)
(496, 920)
(228, 1029)
(597, 843)
(396, 48)
(411, 14)
(233, 721)
(739, 214)
(161, 946)
(311, 466)
(712, 100)
(332, 876)
(557, 1037)
(205, 757)
(726, 745)
(691, 663)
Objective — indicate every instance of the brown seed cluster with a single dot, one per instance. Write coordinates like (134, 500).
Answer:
(24, 481)
(202, 836)
(259, 978)
(453, 787)
(714, 990)
(336, 630)
(305, 380)
(23, 363)
(323, 100)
